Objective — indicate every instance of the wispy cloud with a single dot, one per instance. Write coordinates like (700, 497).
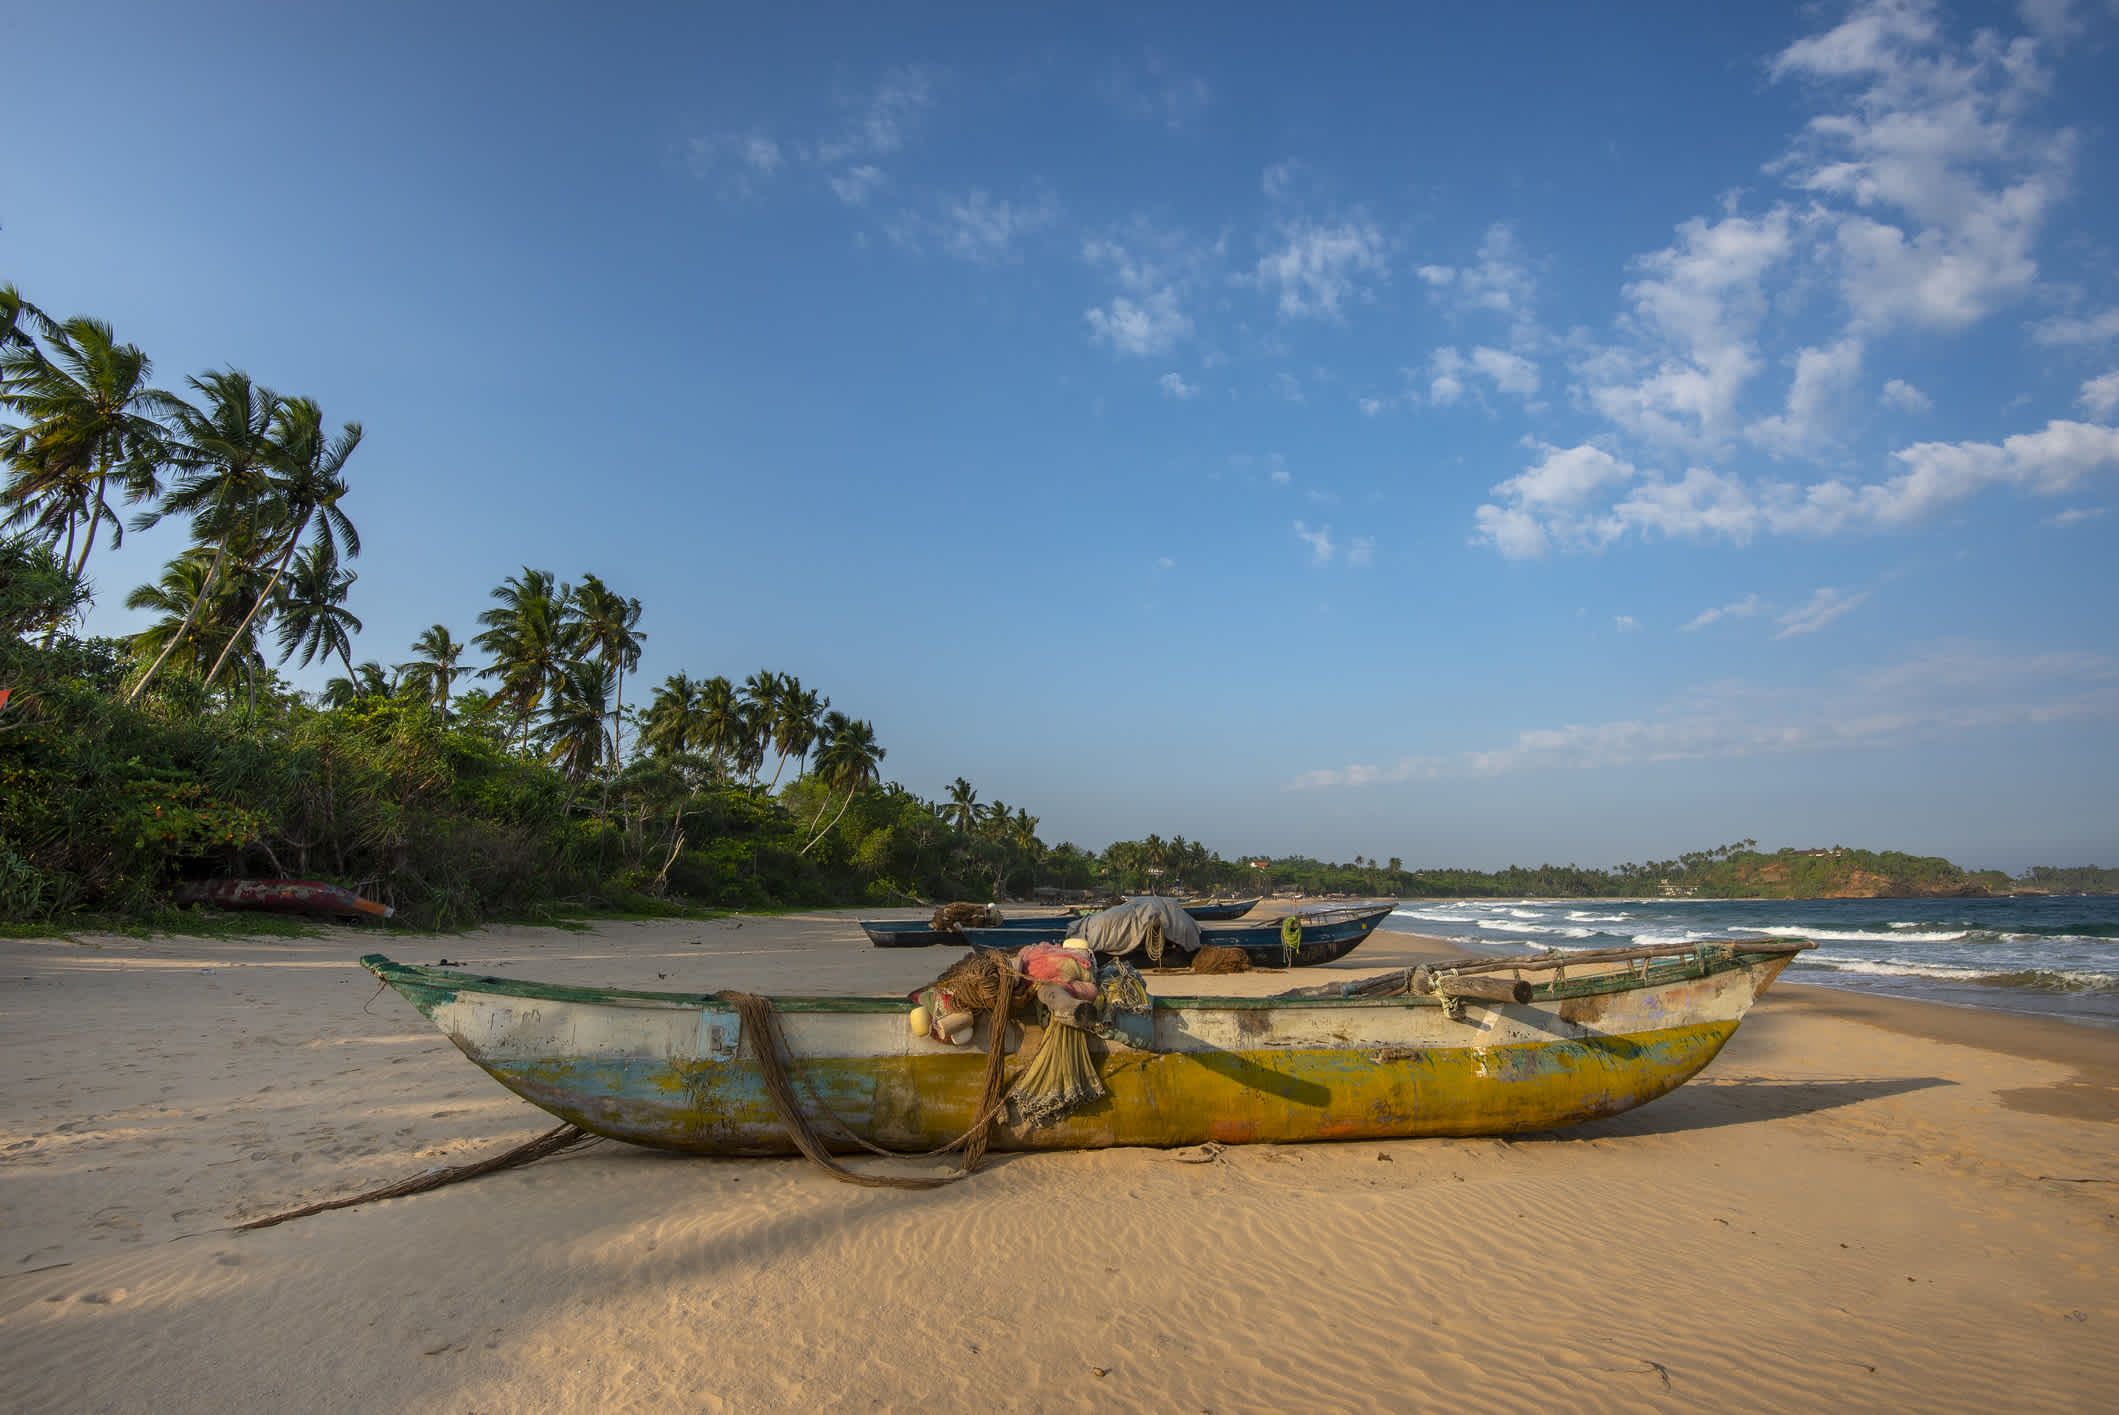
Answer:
(1825, 607)
(1362, 551)
(983, 228)
(2071, 329)
(1625, 623)
(1315, 270)
(1151, 90)
(2077, 515)
(1319, 541)
(1739, 609)
(1906, 398)
(856, 185)
(1174, 385)
(2101, 394)
(880, 119)
(1945, 690)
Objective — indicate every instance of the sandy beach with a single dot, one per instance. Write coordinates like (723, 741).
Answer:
(1863, 1203)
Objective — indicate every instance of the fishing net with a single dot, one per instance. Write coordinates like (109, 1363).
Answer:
(951, 918)
(1217, 958)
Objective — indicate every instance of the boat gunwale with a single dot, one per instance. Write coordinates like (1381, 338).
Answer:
(1662, 968)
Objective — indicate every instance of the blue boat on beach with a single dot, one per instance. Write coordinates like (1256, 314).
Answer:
(1301, 940)
(921, 933)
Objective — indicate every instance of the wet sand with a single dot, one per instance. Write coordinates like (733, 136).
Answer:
(1863, 1203)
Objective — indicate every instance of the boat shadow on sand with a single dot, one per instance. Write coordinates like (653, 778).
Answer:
(1711, 1103)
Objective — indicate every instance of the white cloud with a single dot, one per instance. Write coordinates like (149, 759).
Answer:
(1822, 379)
(1289, 387)
(739, 161)
(2101, 394)
(1152, 325)
(1174, 385)
(1511, 373)
(1943, 692)
(1547, 501)
(1165, 563)
(1697, 307)
(1626, 623)
(1827, 605)
(1362, 551)
(1317, 269)
(1906, 398)
(1553, 503)
(1739, 609)
(1372, 406)
(1945, 189)
(2069, 330)
(883, 118)
(1498, 281)
(1445, 377)
(2077, 515)
(1279, 475)
(1319, 542)
(983, 228)
(2051, 19)
(1278, 180)
(856, 185)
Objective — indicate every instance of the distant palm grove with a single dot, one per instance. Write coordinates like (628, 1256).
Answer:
(454, 789)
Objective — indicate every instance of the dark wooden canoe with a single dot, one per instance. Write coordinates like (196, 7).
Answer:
(283, 896)
(1220, 910)
(915, 933)
(1328, 935)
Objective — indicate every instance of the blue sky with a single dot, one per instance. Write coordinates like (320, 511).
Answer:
(1470, 434)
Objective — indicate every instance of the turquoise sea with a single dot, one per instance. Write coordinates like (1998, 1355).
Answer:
(2053, 955)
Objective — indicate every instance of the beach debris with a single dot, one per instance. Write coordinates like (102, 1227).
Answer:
(1214, 958)
(955, 918)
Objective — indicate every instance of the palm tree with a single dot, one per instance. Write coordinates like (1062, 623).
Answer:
(198, 615)
(995, 821)
(720, 721)
(366, 681)
(224, 454)
(17, 318)
(848, 761)
(307, 485)
(530, 636)
(963, 803)
(313, 615)
(89, 415)
(435, 669)
(671, 725)
(608, 629)
(796, 715)
(574, 734)
(1023, 829)
(759, 700)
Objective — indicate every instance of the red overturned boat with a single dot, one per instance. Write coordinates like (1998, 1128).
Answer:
(283, 896)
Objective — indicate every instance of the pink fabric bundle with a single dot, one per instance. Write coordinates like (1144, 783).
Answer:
(1071, 968)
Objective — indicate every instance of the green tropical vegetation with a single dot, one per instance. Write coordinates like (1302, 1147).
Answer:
(518, 786)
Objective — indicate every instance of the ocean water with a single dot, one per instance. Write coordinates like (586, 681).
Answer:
(2054, 956)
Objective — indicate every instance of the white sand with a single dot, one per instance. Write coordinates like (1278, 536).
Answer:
(1843, 1212)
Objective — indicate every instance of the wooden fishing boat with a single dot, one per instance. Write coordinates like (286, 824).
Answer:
(1325, 936)
(919, 933)
(1489, 1048)
(1220, 910)
(283, 896)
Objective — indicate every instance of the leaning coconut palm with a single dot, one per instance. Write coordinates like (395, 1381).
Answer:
(434, 670)
(224, 456)
(848, 762)
(313, 617)
(530, 636)
(760, 703)
(609, 629)
(307, 486)
(88, 415)
(21, 321)
(797, 718)
(195, 614)
(575, 734)
(672, 725)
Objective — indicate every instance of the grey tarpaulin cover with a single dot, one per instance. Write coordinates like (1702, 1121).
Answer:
(1124, 928)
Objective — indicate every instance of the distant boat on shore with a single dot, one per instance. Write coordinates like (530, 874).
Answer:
(283, 896)
(1303, 940)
